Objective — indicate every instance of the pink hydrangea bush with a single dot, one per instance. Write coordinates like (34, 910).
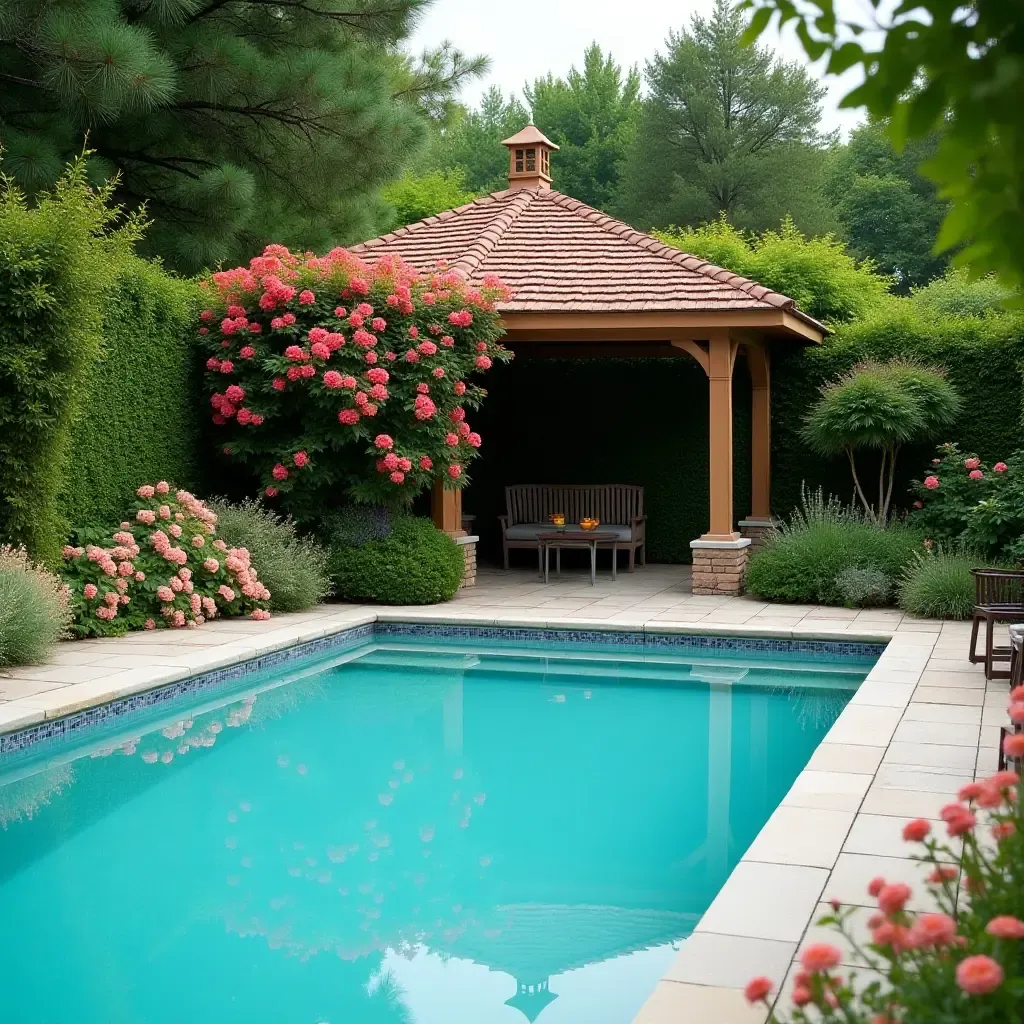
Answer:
(960, 960)
(164, 567)
(330, 376)
(962, 499)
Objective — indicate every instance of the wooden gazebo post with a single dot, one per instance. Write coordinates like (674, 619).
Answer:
(720, 555)
(759, 522)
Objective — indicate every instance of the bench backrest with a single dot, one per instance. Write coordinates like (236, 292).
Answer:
(611, 503)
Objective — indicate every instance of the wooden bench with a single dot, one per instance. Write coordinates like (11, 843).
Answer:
(620, 507)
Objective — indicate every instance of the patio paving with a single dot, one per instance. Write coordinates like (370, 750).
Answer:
(924, 722)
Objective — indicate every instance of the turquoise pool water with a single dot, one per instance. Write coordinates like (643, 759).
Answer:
(439, 833)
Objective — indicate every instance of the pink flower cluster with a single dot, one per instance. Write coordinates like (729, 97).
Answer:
(293, 299)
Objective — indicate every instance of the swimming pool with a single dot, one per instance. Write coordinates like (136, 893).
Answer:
(433, 830)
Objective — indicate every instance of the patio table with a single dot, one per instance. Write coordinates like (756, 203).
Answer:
(559, 539)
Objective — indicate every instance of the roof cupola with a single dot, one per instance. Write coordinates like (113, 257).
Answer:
(529, 158)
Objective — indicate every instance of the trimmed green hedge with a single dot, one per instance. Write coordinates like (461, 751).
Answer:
(606, 421)
(983, 358)
(414, 564)
(644, 421)
(139, 419)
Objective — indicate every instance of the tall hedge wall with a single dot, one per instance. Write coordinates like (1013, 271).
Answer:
(600, 421)
(644, 421)
(983, 357)
(139, 419)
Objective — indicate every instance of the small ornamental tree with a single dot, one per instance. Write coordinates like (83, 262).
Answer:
(880, 406)
(331, 377)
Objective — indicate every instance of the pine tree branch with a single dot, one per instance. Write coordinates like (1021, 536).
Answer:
(354, 19)
(169, 163)
(18, 80)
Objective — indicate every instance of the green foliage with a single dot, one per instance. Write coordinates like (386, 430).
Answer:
(982, 357)
(956, 294)
(725, 129)
(864, 587)
(933, 67)
(591, 115)
(293, 568)
(417, 196)
(818, 273)
(34, 611)
(964, 501)
(809, 559)
(137, 420)
(938, 584)
(472, 142)
(415, 564)
(880, 406)
(57, 261)
(236, 121)
(890, 212)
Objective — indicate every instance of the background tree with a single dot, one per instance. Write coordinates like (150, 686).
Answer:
(725, 129)
(938, 64)
(591, 115)
(414, 197)
(236, 121)
(890, 213)
(472, 142)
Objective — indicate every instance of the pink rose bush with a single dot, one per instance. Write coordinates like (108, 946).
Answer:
(316, 358)
(961, 960)
(163, 567)
(961, 501)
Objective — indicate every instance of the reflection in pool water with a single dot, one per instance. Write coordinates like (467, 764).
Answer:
(423, 833)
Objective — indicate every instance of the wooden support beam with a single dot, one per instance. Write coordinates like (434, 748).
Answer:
(721, 357)
(446, 509)
(760, 431)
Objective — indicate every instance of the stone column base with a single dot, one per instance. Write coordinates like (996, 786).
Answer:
(720, 566)
(468, 545)
(757, 531)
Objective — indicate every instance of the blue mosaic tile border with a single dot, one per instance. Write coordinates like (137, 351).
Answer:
(132, 706)
(782, 645)
(58, 728)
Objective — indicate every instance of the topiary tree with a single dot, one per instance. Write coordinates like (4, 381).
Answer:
(880, 406)
(332, 378)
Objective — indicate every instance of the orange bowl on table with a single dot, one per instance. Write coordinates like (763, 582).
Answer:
(590, 524)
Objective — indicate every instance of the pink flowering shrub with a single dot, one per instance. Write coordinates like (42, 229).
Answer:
(961, 960)
(311, 360)
(163, 567)
(965, 501)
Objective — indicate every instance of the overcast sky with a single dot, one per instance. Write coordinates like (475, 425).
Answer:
(527, 38)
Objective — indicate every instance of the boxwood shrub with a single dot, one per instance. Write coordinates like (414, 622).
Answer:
(414, 564)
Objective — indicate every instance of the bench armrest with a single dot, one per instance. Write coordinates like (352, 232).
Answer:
(504, 524)
(638, 521)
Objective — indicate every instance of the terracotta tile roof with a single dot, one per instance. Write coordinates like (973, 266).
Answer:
(558, 254)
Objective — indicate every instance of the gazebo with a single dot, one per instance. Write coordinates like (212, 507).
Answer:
(585, 284)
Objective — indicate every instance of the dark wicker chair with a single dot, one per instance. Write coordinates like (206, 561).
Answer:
(998, 597)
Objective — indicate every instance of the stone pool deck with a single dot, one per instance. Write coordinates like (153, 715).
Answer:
(923, 722)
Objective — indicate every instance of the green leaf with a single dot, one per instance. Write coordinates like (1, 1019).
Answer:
(758, 23)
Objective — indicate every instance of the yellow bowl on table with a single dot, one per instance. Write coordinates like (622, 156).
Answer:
(557, 519)
(589, 524)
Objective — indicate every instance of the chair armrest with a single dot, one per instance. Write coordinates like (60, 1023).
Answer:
(504, 524)
(638, 521)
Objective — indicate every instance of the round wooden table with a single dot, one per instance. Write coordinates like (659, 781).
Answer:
(559, 539)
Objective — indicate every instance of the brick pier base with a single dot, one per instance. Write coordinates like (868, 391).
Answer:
(756, 531)
(468, 545)
(719, 567)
